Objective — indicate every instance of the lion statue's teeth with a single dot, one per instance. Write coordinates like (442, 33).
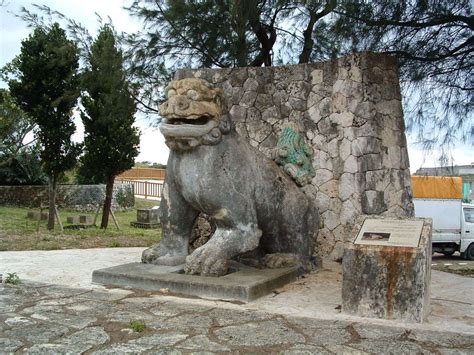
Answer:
(191, 113)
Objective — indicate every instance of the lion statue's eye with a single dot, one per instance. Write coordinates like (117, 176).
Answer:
(171, 92)
(192, 94)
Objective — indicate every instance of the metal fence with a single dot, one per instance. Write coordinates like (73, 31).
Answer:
(145, 188)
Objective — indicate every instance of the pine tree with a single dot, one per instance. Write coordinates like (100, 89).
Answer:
(432, 40)
(47, 90)
(110, 140)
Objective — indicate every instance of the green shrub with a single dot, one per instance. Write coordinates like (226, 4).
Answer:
(12, 279)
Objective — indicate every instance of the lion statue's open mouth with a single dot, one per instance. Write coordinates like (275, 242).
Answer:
(192, 115)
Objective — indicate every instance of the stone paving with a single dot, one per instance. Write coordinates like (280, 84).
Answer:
(46, 319)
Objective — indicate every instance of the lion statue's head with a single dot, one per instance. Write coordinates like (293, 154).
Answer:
(194, 114)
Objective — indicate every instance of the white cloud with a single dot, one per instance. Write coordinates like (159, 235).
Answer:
(462, 154)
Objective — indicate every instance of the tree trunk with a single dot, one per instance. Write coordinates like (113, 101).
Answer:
(52, 184)
(109, 188)
(308, 41)
(314, 16)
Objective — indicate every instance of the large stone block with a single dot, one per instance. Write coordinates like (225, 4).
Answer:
(386, 278)
(147, 215)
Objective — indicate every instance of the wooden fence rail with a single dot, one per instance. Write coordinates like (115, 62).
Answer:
(145, 188)
(143, 174)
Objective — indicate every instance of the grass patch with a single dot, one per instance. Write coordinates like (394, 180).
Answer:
(137, 326)
(12, 279)
(458, 271)
(19, 233)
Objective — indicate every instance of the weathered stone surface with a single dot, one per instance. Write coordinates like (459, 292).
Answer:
(371, 162)
(442, 339)
(243, 284)
(302, 349)
(373, 202)
(38, 333)
(271, 115)
(198, 324)
(350, 111)
(309, 335)
(76, 343)
(10, 345)
(266, 333)
(201, 342)
(347, 186)
(248, 99)
(236, 186)
(389, 282)
(330, 188)
(368, 331)
(251, 84)
(159, 339)
(331, 220)
(375, 346)
(201, 232)
(323, 332)
(19, 321)
(351, 165)
(344, 349)
(365, 145)
(223, 317)
(125, 348)
(322, 176)
(316, 77)
(126, 316)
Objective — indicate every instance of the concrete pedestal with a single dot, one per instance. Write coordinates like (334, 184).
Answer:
(146, 218)
(243, 284)
(389, 282)
(147, 215)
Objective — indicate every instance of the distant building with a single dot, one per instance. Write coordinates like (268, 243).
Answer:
(466, 172)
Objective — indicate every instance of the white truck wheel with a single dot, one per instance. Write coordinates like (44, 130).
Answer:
(469, 253)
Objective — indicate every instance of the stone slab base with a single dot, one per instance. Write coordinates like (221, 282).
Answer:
(243, 284)
(388, 282)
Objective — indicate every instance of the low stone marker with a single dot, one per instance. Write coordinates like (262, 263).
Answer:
(387, 269)
(72, 219)
(85, 219)
(34, 215)
(146, 218)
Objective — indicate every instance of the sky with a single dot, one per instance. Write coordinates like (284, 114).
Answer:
(152, 146)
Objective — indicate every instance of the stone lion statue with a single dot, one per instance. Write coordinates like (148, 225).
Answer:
(211, 169)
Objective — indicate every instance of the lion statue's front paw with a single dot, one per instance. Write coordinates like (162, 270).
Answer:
(158, 256)
(206, 262)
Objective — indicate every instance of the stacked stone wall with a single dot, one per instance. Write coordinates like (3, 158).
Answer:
(77, 197)
(349, 111)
